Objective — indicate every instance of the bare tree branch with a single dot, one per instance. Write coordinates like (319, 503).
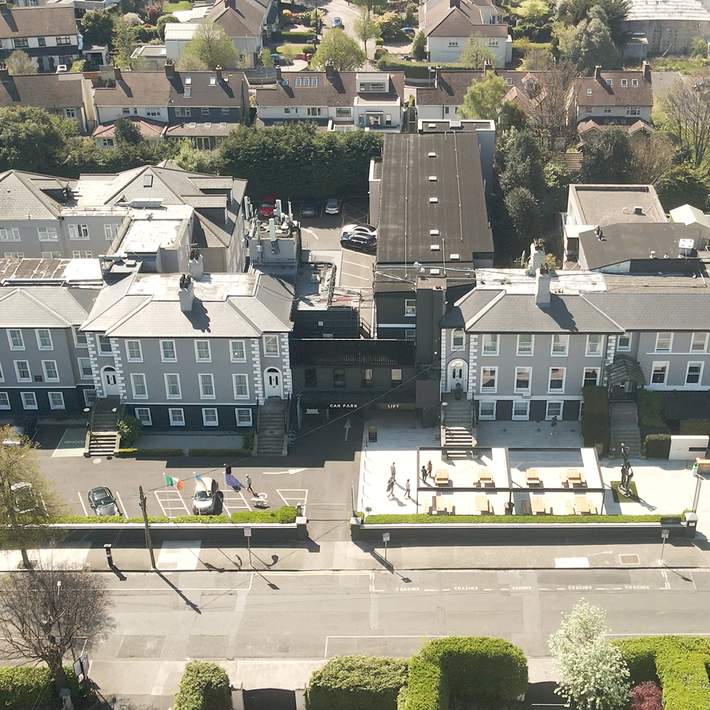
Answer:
(685, 111)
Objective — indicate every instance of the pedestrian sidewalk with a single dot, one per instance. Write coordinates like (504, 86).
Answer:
(189, 555)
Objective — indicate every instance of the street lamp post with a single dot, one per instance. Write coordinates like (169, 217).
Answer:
(665, 534)
(247, 535)
(385, 539)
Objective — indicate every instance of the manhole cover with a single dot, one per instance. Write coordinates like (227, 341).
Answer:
(629, 559)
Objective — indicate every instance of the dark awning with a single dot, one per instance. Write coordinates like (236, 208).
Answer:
(625, 370)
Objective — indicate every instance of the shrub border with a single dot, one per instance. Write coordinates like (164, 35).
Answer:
(424, 518)
(285, 515)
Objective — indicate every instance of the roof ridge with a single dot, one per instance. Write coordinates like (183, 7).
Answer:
(51, 310)
(146, 300)
(479, 314)
(599, 310)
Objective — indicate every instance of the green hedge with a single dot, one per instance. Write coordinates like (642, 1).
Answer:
(356, 683)
(397, 518)
(149, 453)
(293, 36)
(467, 669)
(657, 446)
(223, 453)
(203, 686)
(695, 426)
(595, 418)
(284, 514)
(25, 687)
(651, 413)
(678, 663)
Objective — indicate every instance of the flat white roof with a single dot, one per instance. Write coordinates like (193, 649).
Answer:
(668, 10)
(180, 30)
(151, 230)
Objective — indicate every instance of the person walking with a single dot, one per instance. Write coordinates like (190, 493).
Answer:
(249, 488)
(407, 490)
(553, 426)
(424, 474)
(393, 471)
(390, 488)
(428, 468)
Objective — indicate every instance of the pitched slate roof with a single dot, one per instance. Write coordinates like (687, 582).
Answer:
(50, 91)
(37, 22)
(22, 196)
(244, 20)
(225, 305)
(44, 306)
(463, 20)
(598, 91)
(338, 89)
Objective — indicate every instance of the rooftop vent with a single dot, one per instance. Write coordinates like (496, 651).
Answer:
(433, 178)
(455, 124)
(434, 272)
(639, 210)
(432, 154)
(431, 125)
(213, 81)
(433, 200)
(433, 232)
(455, 257)
(435, 247)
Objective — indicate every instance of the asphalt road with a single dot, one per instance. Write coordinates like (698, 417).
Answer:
(160, 621)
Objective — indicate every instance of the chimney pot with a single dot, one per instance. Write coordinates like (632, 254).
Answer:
(4, 72)
(231, 4)
(186, 293)
(196, 264)
(598, 72)
(542, 287)
(454, 3)
(169, 68)
(218, 72)
(646, 69)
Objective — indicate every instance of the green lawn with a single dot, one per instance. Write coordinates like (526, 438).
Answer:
(169, 7)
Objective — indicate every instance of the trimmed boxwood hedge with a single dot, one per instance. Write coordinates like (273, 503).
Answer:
(203, 686)
(284, 514)
(25, 687)
(357, 683)
(399, 518)
(694, 426)
(466, 668)
(651, 413)
(678, 663)
(149, 453)
(657, 446)
(221, 453)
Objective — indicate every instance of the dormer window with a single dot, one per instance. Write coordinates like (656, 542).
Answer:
(624, 82)
(634, 82)
(213, 81)
(589, 92)
(188, 80)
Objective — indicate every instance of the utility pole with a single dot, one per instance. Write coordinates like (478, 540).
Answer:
(148, 541)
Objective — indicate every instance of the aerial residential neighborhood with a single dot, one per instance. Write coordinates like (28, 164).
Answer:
(354, 354)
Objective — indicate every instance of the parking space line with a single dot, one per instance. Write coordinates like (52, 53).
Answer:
(123, 507)
(348, 275)
(171, 501)
(81, 500)
(235, 499)
(300, 499)
(358, 264)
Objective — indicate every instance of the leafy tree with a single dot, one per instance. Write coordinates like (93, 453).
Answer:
(26, 504)
(573, 12)
(153, 12)
(419, 46)
(483, 98)
(520, 163)
(475, 54)
(372, 5)
(511, 116)
(32, 139)
(533, 10)
(127, 133)
(591, 43)
(685, 113)
(548, 113)
(607, 158)
(208, 49)
(47, 612)
(524, 212)
(389, 25)
(19, 63)
(124, 42)
(558, 178)
(266, 60)
(538, 58)
(96, 27)
(338, 50)
(683, 184)
(593, 674)
(162, 21)
(366, 28)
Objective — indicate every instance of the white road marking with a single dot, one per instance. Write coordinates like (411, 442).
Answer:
(355, 276)
(311, 232)
(300, 496)
(123, 507)
(171, 501)
(81, 500)
(179, 555)
(358, 264)
(288, 471)
(234, 500)
(97, 461)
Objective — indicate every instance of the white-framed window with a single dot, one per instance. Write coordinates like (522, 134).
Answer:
(557, 379)
(44, 339)
(143, 416)
(659, 373)
(694, 373)
(553, 409)
(243, 417)
(590, 376)
(89, 396)
(203, 352)
(410, 307)
(410, 334)
(560, 345)
(490, 344)
(167, 351)
(29, 400)
(134, 351)
(523, 377)
(396, 376)
(79, 231)
(15, 339)
(206, 382)
(85, 371)
(698, 342)
(2, 374)
(105, 347)
(486, 409)
(47, 234)
(664, 342)
(172, 385)
(271, 345)
(176, 416)
(56, 400)
(623, 343)
(241, 386)
(14, 254)
(50, 254)
(10, 235)
(458, 339)
(78, 254)
(80, 340)
(525, 344)
(22, 371)
(521, 409)
(4, 401)
(138, 385)
(594, 345)
(109, 232)
(489, 379)
(237, 351)
(209, 416)
(49, 368)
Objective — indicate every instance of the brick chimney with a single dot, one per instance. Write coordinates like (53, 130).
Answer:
(598, 72)
(231, 4)
(4, 72)
(278, 74)
(454, 3)
(169, 68)
(218, 72)
(542, 287)
(646, 69)
(330, 71)
(186, 293)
